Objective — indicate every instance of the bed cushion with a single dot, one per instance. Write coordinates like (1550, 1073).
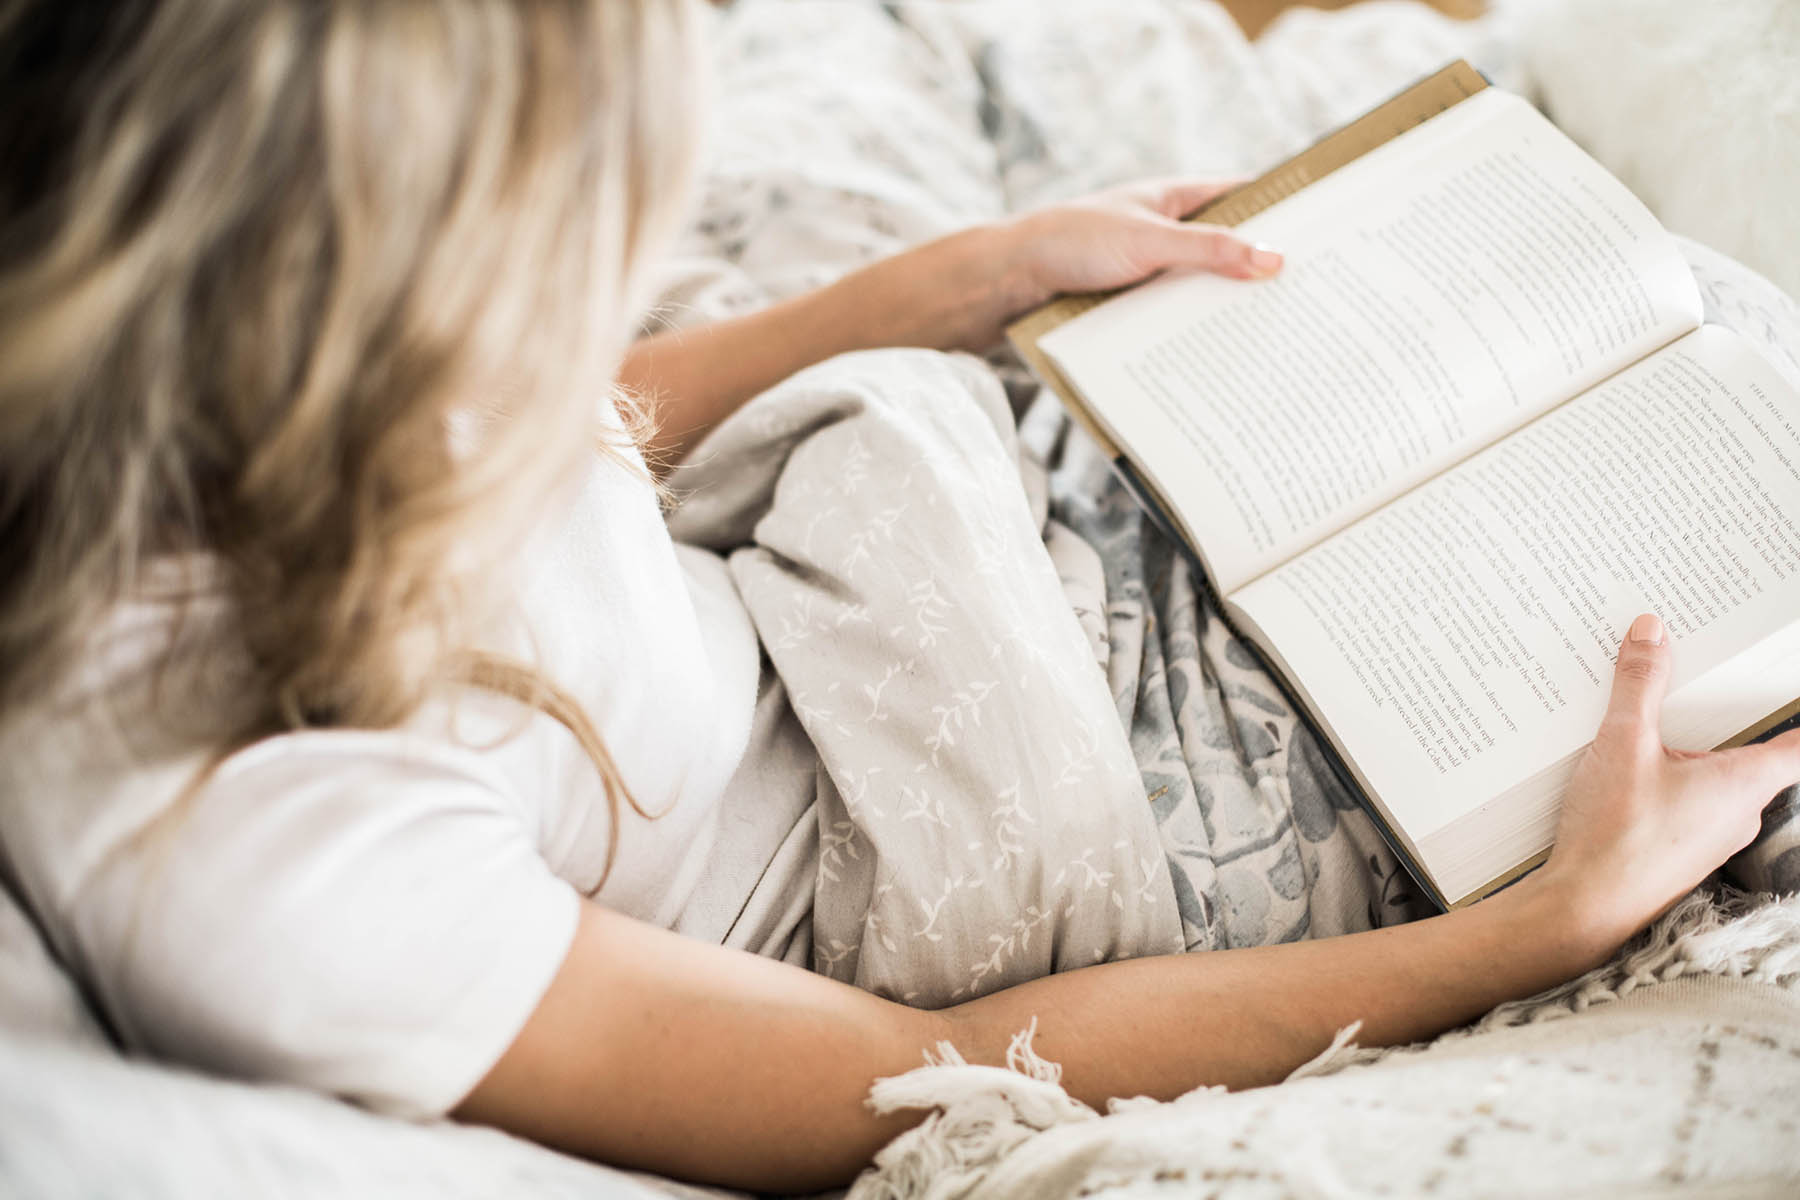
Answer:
(79, 1119)
(1696, 108)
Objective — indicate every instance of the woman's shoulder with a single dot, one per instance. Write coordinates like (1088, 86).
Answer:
(286, 911)
(120, 768)
(119, 762)
(155, 688)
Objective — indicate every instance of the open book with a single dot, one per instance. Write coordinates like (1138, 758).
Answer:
(1435, 467)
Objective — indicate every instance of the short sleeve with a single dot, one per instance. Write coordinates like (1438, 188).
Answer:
(331, 911)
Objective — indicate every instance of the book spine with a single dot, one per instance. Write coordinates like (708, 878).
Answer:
(1146, 498)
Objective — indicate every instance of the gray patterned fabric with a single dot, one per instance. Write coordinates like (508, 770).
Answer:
(1263, 841)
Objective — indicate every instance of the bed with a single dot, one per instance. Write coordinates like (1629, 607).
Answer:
(842, 130)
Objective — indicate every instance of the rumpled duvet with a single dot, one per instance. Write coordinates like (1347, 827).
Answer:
(1038, 745)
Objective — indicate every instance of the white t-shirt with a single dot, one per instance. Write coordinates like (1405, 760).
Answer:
(376, 914)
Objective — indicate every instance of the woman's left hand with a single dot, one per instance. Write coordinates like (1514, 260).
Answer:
(1117, 238)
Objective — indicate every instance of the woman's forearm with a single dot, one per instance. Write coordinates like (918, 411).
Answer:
(1245, 1018)
(656, 1051)
(935, 296)
(956, 293)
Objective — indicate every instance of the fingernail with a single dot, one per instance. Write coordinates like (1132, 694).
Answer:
(1264, 259)
(1647, 628)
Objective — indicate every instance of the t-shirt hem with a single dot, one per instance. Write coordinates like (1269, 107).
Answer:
(444, 1071)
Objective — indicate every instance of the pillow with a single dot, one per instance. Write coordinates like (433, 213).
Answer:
(79, 1122)
(1696, 107)
(77, 1118)
(38, 999)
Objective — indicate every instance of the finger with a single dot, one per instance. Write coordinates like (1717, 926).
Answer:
(1178, 198)
(1640, 680)
(1210, 248)
(1773, 765)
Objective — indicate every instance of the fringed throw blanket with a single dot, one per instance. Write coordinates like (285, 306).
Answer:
(1681, 1076)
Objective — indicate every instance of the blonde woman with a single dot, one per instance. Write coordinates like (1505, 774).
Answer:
(339, 623)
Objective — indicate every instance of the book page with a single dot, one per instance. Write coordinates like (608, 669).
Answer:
(1463, 638)
(1441, 290)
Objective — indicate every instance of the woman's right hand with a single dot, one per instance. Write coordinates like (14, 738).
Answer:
(1641, 823)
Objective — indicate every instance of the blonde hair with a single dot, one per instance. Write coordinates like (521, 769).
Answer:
(331, 294)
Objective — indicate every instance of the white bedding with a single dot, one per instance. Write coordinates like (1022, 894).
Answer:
(878, 125)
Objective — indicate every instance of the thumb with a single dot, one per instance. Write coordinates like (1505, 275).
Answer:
(1640, 680)
(1211, 248)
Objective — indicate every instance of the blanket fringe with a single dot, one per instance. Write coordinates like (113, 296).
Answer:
(1753, 936)
(984, 1113)
(1740, 935)
(1343, 1047)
